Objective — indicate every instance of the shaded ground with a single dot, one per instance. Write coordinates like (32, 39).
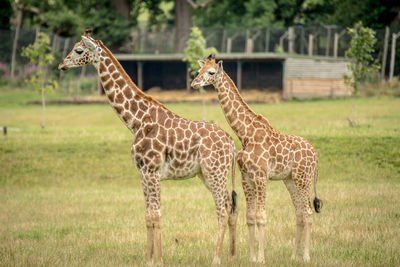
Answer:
(176, 96)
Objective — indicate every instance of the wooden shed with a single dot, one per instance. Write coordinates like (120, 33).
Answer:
(314, 77)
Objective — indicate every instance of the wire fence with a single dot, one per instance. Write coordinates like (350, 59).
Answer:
(331, 41)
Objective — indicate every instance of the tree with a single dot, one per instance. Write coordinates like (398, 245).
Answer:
(183, 22)
(196, 49)
(363, 65)
(39, 53)
(71, 18)
(374, 14)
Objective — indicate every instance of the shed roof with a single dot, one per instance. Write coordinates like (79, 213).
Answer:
(224, 56)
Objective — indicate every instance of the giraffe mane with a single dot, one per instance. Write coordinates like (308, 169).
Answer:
(245, 105)
(127, 78)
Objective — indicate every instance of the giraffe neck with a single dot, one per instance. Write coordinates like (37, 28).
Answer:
(238, 114)
(128, 101)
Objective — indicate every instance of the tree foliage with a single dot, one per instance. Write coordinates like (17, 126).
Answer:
(72, 17)
(363, 65)
(196, 49)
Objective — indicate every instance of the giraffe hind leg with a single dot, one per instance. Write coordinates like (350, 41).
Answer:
(302, 204)
(232, 221)
(219, 191)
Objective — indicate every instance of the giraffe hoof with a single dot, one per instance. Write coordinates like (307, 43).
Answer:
(253, 259)
(216, 261)
(261, 260)
(306, 258)
(293, 257)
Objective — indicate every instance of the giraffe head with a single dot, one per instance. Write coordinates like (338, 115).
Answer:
(209, 72)
(84, 52)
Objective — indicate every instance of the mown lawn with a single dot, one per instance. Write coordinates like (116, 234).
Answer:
(70, 196)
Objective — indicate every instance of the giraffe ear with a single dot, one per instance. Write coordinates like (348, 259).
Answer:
(220, 67)
(201, 63)
(88, 43)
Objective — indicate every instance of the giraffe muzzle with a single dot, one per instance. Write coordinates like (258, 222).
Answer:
(195, 85)
(62, 66)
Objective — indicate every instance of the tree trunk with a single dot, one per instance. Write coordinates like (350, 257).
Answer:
(123, 7)
(183, 23)
(43, 124)
(15, 42)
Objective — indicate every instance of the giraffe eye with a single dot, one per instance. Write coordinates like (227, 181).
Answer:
(78, 51)
(211, 72)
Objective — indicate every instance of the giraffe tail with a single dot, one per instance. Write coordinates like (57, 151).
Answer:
(234, 195)
(317, 202)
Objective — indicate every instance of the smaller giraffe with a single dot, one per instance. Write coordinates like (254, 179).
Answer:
(266, 154)
(166, 146)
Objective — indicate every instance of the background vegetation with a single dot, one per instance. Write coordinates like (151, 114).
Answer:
(111, 20)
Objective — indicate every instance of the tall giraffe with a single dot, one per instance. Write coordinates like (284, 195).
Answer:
(166, 146)
(266, 154)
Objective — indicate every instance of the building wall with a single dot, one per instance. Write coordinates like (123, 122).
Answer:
(306, 78)
(171, 74)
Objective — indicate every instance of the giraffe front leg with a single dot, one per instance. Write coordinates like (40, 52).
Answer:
(221, 200)
(151, 188)
(250, 196)
(150, 239)
(260, 216)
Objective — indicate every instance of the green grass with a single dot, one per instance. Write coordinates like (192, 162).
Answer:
(69, 194)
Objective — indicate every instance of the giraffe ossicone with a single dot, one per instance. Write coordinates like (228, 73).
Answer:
(166, 146)
(266, 154)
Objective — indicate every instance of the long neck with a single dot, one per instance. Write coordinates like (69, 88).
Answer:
(129, 102)
(238, 114)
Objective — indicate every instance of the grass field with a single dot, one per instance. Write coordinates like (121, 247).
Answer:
(70, 196)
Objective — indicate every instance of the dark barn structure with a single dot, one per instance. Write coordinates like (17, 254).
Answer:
(170, 72)
(293, 75)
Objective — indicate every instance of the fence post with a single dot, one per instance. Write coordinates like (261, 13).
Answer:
(223, 40)
(249, 45)
(291, 39)
(188, 78)
(247, 48)
(385, 50)
(64, 53)
(302, 41)
(15, 42)
(281, 40)
(267, 37)
(140, 74)
(228, 45)
(328, 41)
(393, 55)
(239, 74)
(310, 44)
(336, 43)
